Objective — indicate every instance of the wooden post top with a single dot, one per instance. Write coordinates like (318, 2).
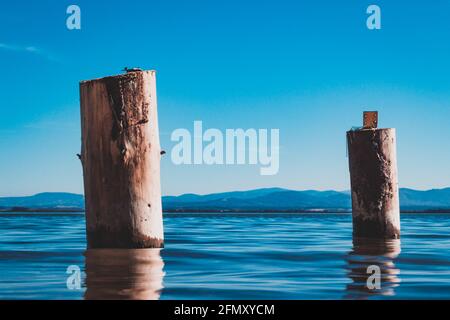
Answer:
(370, 119)
(128, 73)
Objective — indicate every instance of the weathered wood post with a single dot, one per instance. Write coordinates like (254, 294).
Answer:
(374, 183)
(120, 154)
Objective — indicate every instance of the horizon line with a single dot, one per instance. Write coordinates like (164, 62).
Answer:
(213, 193)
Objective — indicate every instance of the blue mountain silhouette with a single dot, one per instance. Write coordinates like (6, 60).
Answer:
(268, 199)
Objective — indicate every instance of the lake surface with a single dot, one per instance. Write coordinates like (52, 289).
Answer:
(226, 256)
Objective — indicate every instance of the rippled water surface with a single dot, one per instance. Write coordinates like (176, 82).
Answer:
(226, 256)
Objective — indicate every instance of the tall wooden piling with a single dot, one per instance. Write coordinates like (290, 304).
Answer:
(120, 155)
(374, 182)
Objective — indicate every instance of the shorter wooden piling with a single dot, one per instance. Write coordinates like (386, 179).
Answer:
(374, 183)
(121, 155)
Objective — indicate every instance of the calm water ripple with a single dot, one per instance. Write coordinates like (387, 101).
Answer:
(227, 256)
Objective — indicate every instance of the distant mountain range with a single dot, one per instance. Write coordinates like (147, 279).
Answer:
(272, 199)
(47, 201)
(260, 200)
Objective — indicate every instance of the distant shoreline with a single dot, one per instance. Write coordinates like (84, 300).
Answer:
(335, 210)
(265, 200)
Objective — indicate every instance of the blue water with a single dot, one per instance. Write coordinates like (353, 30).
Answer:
(226, 256)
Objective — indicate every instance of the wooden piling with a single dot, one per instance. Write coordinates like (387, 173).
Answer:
(374, 182)
(120, 155)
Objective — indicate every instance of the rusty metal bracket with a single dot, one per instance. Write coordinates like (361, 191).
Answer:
(370, 119)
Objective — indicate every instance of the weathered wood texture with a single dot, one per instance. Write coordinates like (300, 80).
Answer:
(374, 183)
(120, 154)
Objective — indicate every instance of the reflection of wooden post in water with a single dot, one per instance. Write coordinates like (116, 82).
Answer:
(370, 252)
(120, 154)
(374, 184)
(135, 274)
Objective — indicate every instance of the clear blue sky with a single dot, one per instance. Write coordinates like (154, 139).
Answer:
(308, 68)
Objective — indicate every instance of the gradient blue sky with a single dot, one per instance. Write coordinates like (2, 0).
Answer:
(308, 68)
